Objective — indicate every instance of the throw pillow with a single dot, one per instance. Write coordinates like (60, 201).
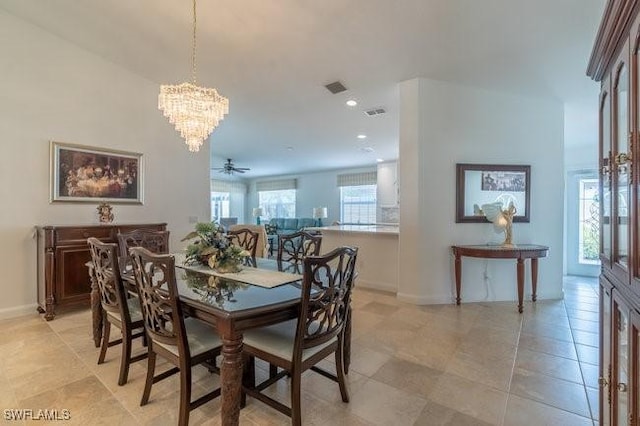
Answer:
(271, 229)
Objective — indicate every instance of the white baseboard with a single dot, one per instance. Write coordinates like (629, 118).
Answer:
(375, 285)
(18, 311)
(424, 300)
(449, 299)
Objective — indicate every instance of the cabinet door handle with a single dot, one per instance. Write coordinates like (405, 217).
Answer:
(602, 382)
(622, 387)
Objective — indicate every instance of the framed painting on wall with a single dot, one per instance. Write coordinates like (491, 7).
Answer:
(478, 184)
(88, 174)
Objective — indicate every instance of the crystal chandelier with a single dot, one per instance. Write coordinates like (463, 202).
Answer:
(194, 111)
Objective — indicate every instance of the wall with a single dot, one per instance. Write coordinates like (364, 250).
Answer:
(52, 90)
(314, 190)
(442, 124)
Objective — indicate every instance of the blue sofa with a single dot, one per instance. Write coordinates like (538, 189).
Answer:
(282, 226)
(289, 226)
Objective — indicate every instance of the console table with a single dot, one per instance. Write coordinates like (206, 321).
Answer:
(520, 252)
(63, 278)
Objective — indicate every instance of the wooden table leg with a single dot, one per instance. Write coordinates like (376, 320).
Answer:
(520, 273)
(458, 267)
(231, 379)
(534, 278)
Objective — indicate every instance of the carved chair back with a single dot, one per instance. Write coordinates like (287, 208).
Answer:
(245, 238)
(161, 309)
(154, 241)
(104, 257)
(323, 314)
(294, 248)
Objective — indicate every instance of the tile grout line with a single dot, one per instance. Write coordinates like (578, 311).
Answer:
(584, 385)
(513, 369)
(93, 373)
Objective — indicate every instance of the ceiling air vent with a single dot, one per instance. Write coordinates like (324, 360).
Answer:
(335, 87)
(375, 111)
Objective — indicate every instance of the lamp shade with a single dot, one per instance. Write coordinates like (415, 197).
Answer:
(319, 212)
(257, 211)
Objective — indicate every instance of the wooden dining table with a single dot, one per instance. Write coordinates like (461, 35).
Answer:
(231, 307)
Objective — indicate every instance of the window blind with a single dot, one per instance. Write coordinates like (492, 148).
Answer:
(357, 179)
(228, 186)
(276, 185)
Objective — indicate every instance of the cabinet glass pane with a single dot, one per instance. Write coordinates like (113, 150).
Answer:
(605, 120)
(605, 347)
(622, 355)
(622, 146)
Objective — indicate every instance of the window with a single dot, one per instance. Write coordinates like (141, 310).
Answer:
(589, 241)
(219, 205)
(358, 204)
(278, 203)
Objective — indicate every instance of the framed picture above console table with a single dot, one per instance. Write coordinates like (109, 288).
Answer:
(62, 252)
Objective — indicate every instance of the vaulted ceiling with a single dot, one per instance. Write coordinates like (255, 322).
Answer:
(272, 59)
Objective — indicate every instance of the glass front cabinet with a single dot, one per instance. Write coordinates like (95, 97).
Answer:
(615, 64)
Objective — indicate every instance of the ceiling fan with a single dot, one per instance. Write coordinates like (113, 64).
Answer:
(229, 168)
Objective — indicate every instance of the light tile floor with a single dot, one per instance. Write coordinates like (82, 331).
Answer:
(476, 364)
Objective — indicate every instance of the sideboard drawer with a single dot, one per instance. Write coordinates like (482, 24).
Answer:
(64, 235)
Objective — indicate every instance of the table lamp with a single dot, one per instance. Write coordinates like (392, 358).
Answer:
(319, 213)
(257, 212)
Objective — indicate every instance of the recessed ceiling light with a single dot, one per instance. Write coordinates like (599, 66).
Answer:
(362, 136)
(352, 103)
(379, 160)
(367, 149)
(289, 148)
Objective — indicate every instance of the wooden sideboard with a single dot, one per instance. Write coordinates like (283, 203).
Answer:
(63, 278)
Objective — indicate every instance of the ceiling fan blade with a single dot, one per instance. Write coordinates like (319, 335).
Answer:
(238, 171)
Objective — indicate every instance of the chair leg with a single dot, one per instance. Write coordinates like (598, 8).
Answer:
(125, 361)
(151, 368)
(105, 339)
(273, 371)
(296, 411)
(248, 376)
(185, 394)
(344, 391)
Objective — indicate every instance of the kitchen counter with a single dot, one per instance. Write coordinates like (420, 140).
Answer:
(371, 229)
(377, 262)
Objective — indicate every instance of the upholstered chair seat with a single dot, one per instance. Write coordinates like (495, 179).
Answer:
(200, 338)
(279, 340)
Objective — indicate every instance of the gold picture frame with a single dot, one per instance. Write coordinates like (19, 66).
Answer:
(87, 174)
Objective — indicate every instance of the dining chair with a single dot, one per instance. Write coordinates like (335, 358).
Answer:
(247, 239)
(118, 310)
(183, 342)
(295, 247)
(298, 345)
(154, 241)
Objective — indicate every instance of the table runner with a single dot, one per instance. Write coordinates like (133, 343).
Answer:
(255, 276)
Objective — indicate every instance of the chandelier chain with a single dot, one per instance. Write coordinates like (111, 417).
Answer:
(193, 51)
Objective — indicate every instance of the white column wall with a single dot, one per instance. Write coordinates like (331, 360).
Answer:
(442, 124)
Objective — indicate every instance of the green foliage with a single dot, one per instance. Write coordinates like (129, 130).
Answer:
(211, 247)
(591, 243)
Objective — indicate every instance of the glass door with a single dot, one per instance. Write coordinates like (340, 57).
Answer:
(606, 231)
(583, 223)
(605, 353)
(621, 170)
(620, 384)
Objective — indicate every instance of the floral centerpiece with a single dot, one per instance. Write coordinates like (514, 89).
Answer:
(211, 247)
